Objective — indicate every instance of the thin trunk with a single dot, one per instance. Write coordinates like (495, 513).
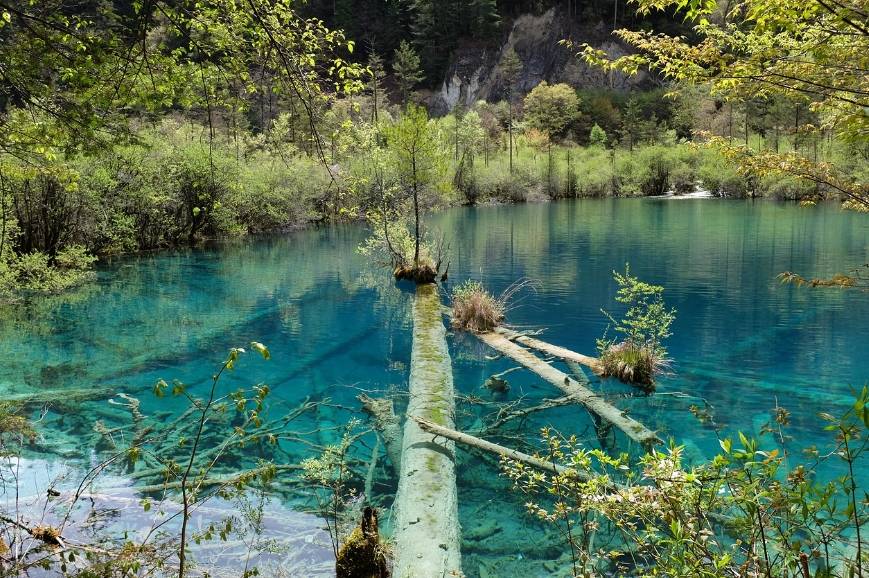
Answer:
(415, 216)
(457, 135)
(510, 129)
(549, 167)
(796, 125)
(375, 101)
(730, 123)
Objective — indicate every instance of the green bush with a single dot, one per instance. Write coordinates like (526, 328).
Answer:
(34, 271)
(721, 177)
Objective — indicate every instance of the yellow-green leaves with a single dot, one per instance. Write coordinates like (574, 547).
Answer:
(262, 349)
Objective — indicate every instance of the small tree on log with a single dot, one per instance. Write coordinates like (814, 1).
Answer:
(419, 165)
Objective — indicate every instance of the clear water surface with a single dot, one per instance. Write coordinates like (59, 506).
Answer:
(742, 342)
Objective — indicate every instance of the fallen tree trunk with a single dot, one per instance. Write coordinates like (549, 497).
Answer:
(592, 363)
(426, 507)
(511, 454)
(48, 396)
(484, 445)
(387, 425)
(632, 428)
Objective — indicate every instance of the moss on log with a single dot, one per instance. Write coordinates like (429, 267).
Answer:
(426, 532)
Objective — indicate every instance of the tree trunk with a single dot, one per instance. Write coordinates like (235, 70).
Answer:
(510, 131)
(426, 531)
(632, 428)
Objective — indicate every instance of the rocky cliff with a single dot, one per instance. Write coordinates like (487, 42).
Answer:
(474, 70)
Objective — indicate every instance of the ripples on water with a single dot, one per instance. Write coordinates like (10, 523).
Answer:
(742, 342)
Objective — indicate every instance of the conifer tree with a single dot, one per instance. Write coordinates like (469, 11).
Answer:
(405, 65)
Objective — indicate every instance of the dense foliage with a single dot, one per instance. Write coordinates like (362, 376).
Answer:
(755, 509)
(773, 58)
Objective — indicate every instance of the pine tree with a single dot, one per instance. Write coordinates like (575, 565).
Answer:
(378, 72)
(484, 17)
(632, 118)
(405, 66)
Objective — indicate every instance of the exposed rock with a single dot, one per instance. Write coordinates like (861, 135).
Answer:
(474, 73)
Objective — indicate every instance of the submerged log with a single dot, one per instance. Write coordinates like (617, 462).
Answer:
(66, 396)
(426, 510)
(387, 425)
(494, 448)
(592, 363)
(632, 428)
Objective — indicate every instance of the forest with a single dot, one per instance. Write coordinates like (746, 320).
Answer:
(490, 187)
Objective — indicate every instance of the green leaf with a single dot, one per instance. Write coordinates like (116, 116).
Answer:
(263, 350)
(160, 387)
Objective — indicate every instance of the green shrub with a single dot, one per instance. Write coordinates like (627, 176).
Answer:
(594, 172)
(638, 354)
(34, 271)
(720, 177)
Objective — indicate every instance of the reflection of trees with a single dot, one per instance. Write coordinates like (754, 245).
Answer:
(171, 305)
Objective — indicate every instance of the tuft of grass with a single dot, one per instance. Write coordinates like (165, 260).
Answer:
(633, 364)
(475, 309)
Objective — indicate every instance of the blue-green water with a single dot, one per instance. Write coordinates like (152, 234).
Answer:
(742, 342)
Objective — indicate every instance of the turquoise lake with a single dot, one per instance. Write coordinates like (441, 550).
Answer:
(743, 342)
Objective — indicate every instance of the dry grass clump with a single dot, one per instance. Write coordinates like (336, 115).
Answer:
(475, 309)
(633, 364)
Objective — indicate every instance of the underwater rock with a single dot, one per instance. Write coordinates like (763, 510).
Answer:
(497, 385)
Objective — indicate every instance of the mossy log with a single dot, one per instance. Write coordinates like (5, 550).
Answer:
(593, 402)
(592, 363)
(387, 425)
(427, 541)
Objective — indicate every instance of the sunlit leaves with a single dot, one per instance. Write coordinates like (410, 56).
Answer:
(812, 52)
(262, 349)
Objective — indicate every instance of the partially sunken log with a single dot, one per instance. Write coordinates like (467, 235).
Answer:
(592, 363)
(632, 428)
(511, 454)
(426, 510)
(387, 425)
(484, 445)
(59, 396)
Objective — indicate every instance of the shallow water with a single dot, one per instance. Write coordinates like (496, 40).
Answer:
(742, 342)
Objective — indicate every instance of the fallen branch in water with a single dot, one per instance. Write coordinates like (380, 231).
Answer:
(387, 425)
(484, 445)
(555, 350)
(574, 390)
